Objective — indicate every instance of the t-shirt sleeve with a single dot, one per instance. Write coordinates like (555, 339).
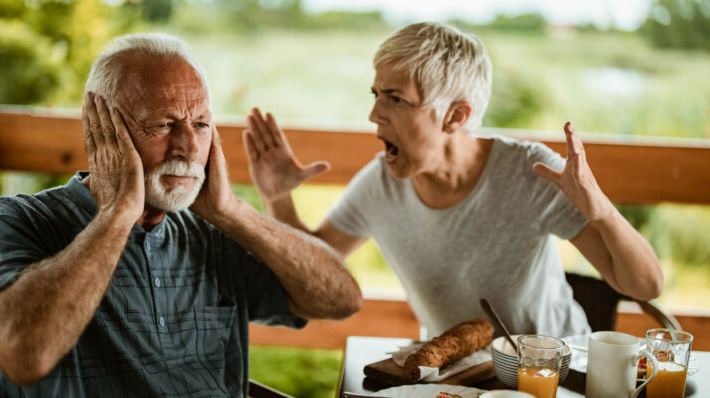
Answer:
(19, 246)
(555, 213)
(350, 213)
(256, 286)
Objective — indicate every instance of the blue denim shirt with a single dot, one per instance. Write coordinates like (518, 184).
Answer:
(174, 320)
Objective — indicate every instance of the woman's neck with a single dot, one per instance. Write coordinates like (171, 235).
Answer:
(457, 174)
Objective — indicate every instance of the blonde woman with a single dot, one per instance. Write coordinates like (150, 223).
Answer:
(458, 216)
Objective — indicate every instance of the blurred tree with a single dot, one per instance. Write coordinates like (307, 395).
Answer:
(29, 76)
(48, 51)
(679, 24)
(249, 15)
(12, 9)
(524, 23)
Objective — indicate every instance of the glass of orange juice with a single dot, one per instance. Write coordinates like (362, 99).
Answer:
(539, 359)
(672, 350)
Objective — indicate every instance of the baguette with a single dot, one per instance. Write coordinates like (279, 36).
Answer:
(456, 343)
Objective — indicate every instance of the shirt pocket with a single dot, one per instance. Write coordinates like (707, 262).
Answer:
(214, 343)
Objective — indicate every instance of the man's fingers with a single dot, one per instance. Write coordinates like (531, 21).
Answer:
(93, 118)
(216, 154)
(123, 137)
(89, 144)
(107, 129)
(544, 171)
(316, 168)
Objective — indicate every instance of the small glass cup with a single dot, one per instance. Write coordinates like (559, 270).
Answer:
(539, 359)
(672, 350)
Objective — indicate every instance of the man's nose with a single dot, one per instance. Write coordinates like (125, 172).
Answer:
(184, 142)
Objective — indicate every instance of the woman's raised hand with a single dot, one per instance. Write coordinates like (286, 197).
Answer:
(272, 165)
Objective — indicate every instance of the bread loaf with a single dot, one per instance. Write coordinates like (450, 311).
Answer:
(456, 343)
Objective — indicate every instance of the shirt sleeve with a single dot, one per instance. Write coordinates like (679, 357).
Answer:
(350, 212)
(19, 244)
(556, 214)
(257, 287)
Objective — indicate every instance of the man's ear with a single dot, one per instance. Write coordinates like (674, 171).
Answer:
(457, 116)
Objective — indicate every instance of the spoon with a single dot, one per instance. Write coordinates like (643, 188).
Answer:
(494, 316)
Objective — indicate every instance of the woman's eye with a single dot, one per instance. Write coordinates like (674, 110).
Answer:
(395, 99)
(202, 125)
(163, 125)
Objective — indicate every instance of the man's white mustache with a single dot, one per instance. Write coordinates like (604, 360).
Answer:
(181, 169)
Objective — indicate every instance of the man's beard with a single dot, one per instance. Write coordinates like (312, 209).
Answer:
(178, 197)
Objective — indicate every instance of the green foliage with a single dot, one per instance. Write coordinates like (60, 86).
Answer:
(249, 15)
(29, 75)
(29, 183)
(680, 233)
(529, 24)
(679, 24)
(524, 23)
(515, 101)
(47, 54)
(297, 372)
(157, 10)
(12, 9)
(250, 195)
(637, 216)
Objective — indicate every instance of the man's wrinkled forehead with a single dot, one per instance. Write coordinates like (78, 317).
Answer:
(162, 76)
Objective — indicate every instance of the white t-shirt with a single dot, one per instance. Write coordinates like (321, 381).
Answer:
(497, 243)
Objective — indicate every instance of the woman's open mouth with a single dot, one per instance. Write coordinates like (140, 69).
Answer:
(391, 152)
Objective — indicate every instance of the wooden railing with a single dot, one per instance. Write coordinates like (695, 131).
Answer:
(633, 173)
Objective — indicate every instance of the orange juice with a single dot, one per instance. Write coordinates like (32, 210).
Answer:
(669, 381)
(540, 382)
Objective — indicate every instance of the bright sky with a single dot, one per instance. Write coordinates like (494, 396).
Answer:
(623, 14)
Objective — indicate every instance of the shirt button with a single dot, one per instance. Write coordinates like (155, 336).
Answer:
(147, 245)
(156, 281)
(161, 320)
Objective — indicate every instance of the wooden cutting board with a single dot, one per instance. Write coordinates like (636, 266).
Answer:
(390, 373)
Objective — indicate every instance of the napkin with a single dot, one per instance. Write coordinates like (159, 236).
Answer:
(436, 374)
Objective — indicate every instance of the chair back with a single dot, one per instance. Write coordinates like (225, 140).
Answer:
(258, 390)
(597, 299)
(599, 302)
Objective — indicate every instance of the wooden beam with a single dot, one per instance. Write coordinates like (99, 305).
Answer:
(628, 173)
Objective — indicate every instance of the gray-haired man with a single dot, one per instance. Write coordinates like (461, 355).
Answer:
(109, 286)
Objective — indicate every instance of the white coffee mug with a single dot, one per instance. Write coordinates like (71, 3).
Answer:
(612, 366)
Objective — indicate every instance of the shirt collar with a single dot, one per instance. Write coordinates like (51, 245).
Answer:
(82, 195)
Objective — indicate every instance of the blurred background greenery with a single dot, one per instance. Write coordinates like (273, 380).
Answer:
(314, 69)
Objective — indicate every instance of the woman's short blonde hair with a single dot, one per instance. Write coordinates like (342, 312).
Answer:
(445, 64)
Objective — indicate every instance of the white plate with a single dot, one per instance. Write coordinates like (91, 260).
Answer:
(429, 391)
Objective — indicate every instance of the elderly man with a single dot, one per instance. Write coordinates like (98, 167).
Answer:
(109, 286)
